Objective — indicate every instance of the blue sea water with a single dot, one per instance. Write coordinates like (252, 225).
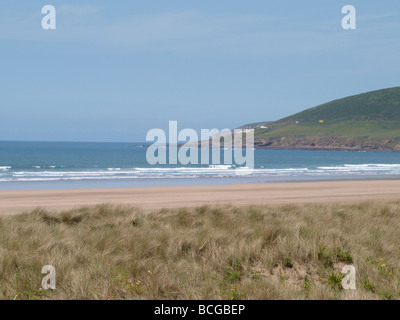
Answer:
(65, 165)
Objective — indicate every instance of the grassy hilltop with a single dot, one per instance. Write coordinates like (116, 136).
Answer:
(368, 121)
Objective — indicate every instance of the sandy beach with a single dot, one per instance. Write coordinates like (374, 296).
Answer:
(151, 198)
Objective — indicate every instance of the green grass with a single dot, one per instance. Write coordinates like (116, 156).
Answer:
(208, 252)
(375, 105)
(366, 121)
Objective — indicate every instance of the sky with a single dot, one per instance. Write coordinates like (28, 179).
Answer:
(113, 70)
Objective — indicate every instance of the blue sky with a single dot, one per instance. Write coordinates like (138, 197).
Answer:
(112, 70)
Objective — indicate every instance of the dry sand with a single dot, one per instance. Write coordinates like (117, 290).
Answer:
(12, 202)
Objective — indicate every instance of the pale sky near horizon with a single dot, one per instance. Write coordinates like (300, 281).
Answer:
(112, 70)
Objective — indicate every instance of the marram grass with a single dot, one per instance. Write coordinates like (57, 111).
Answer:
(208, 252)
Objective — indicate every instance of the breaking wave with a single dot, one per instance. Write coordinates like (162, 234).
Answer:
(54, 173)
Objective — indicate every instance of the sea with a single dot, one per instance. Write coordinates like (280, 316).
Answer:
(74, 165)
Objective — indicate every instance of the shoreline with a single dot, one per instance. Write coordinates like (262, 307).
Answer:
(155, 198)
(178, 181)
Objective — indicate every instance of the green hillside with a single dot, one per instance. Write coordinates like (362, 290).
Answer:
(369, 121)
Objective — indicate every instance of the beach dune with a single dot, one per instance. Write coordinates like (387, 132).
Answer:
(152, 198)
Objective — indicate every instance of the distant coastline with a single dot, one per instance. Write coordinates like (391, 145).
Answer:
(372, 149)
(364, 122)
